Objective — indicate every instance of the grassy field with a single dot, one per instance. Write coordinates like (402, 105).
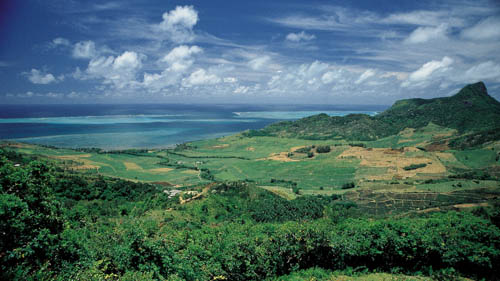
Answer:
(264, 159)
(278, 165)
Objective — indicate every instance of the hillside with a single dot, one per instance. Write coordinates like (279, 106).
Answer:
(353, 198)
(470, 110)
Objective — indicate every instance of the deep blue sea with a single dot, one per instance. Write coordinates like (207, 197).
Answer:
(146, 125)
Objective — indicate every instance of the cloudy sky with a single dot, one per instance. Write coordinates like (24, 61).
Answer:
(323, 52)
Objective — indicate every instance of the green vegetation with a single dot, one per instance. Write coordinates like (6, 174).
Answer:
(399, 196)
(414, 166)
(236, 232)
(470, 110)
(305, 149)
(323, 149)
(348, 185)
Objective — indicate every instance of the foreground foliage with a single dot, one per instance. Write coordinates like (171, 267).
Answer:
(58, 225)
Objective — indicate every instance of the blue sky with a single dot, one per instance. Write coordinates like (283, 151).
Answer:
(307, 52)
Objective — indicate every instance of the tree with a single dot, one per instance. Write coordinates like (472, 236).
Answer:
(30, 219)
(323, 149)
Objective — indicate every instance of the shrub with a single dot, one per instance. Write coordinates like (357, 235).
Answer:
(414, 166)
(348, 185)
(304, 149)
(323, 149)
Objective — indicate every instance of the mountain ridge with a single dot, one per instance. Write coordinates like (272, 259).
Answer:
(472, 109)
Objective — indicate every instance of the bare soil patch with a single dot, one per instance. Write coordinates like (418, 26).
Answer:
(407, 133)
(220, 146)
(446, 156)
(190, 172)
(437, 146)
(73, 157)
(86, 167)
(411, 149)
(160, 170)
(394, 160)
(405, 140)
(132, 166)
(470, 205)
(282, 156)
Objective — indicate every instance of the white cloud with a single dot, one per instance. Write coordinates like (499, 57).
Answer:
(241, 90)
(179, 23)
(365, 75)
(84, 50)
(73, 95)
(28, 94)
(424, 34)
(200, 77)
(230, 80)
(329, 77)
(179, 58)
(484, 71)
(179, 61)
(485, 29)
(128, 61)
(61, 42)
(259, 62)
(369, 71)
(425, 18)
(398, 75)
(180, 53)
(119, 71)
(302, 36)
(37, 77)
(426, 70)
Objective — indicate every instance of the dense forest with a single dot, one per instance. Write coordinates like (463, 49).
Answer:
(58, 224)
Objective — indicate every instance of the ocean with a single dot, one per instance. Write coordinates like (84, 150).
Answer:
(146, 125)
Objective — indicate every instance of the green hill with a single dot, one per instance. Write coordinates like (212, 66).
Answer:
(470, 110)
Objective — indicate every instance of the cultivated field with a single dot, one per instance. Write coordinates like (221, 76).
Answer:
(404, 172)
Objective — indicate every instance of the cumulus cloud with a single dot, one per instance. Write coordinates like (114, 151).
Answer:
(179, 23)
(179, 58)
(428, 68)
(155, 82)
(427, 71)
(302, 36)
(485, 29)
(119, 71)
(329, 77)
(38, 77)
(365, 75)
(259, 62)
(200, 77)
(127, 61)
(84, 50)
(424, 34)
(302, 78)
(230, 67)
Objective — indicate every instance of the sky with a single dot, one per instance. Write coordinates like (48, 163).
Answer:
(258, 52)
